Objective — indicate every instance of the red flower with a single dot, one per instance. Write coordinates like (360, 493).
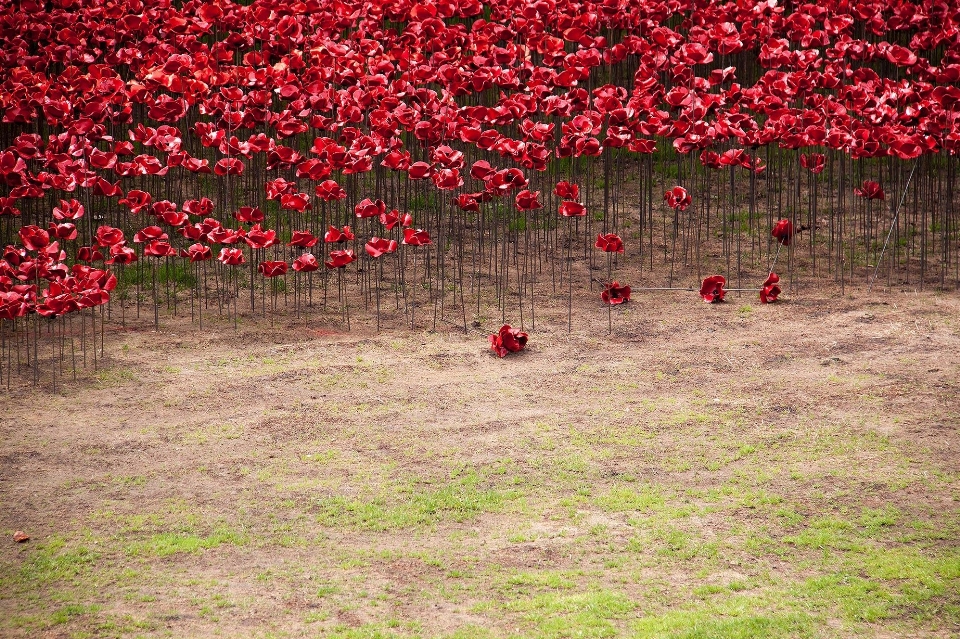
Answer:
(70, 210)
(712, 288)
(419, 171)
(507, 340)
(870, 190)
(231, 256)
(335, 235)
(158, 248)
(417, 237)
(306, 263)
(340, 259)
(783, 231)
(299, 202)
(89, 254)
(120, 253)
(391, 219)
(303, 239)
(813, 162)
(609, 243)
(468, 202)
(228, 166)
(369, 208)
(572, 209)
(677, 198)
(34, 238)
(149, 233)
(258, 238)
(197, 252)
(770, 290)
(65, 231)
(528, 200)
(378, 246)
(272, 269)
(614, 294)
(329, 190)
(136, 200)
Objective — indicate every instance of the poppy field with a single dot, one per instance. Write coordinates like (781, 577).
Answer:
(463, 318)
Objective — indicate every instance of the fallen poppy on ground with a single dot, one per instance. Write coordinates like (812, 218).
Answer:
(508, 340)
(711, 290)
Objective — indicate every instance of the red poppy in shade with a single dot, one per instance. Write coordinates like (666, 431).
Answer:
(870, 190)
(368, 208)
(815, 162)
(120, 253)
(339, 259)
(258, 238)
(272, 268)
(69, 210)
(614, 294)
(378, 246)
(609, 243)
(203, 206)
(677, 198)
(329, 190)
(299, 202)
(89, 254)
(338, 236)
(508, 340)
(109, 236)
(304, 239)
(306, 263)
(394, 217)
(136, 200)
(783, 231)
(175, 218)
(197, 252)
(528, 200)
(65, 231)
(481, 169)
(149, 233)
(468, 202)
(770, 289)
(572, 209)
(419, 171)
(248, 214)
(158, 248)
(33, 237)
(228, 166)
(416, 237)
(712, 288)
(231, 256)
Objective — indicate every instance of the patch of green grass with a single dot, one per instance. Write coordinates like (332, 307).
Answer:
(170, 543)
(736, 618)
(627, 499)
(53, 561)
(588, 614)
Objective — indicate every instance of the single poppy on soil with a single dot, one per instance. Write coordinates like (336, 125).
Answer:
(712, 289)
(614, 294)
(770, 290)
(508, 340)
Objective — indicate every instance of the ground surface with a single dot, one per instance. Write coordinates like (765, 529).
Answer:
(731, 470)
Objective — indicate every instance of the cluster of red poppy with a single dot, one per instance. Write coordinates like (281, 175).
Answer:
(130, 94)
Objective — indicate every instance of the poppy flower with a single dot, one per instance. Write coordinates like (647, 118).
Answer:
(711, 290)
(340, 259)
(120, 253)
(258, 238)
(508, 340)
(528, 200)
(329, 190)
(870, 190)
(231, 256)
(89, 254)
(609, 243)
(228, 166)
(378, 246)
(783, 231)
(814, 162)
(109, 236)
(149, 233)
(303, 239)
(306, 263)
(770, 289)
(197, 252)
(416, 237)
(65, 231)
(299, 202)
(677, 198)
(394, 217)
(572, 209)
(614, 294)
(33, 237)
(368, 208)
(338, 236)
(158, 248)
(271, 268)
(70, 210)
(248, 214)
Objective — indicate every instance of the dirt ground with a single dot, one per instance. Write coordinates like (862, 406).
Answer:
(734, 470)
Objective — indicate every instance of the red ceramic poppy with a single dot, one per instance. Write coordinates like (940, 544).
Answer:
(339, 259)
(677, 198)
(329, 190)
(228, 166)
(815, 162)
(109, 236)
(121, 254)
(149, 233)
(338, 236)
(572, 209)
(870, 190)
(528, 200)
(711, 290)
(609, 243)
(248, 214)
(770, 290)
(304, 239)
(378, 246)
(33, 237)
(299, 202)
(416, 237)
(197, 252)
(70, 210)
(306, 263)
(783, 231)
(258, 238)
(369, 208)
(65, 231)
(508, 340)
(89, 254)
(272, 268)
(394, 217)
(158, 248)
(614, 294)
(231, 256)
